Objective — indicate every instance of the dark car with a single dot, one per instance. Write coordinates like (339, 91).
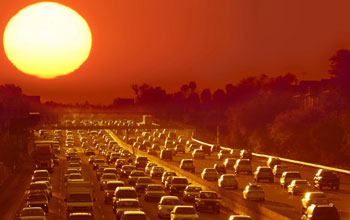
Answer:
(245, 154)
(207, 201)
(272, 161)
(206, 149)
(220, 168)
(166, 154)
(320, 212)
(326, 178)
(215, 149)
(141, 162)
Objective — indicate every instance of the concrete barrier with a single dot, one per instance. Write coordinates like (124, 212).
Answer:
(286, 160)
(234, 203)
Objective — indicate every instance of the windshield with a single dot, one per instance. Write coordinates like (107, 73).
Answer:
(38, 186)
(138, 174)
(126, 194)
(170, 202)
(158, 169)
(194, 189)
(124, 204)
(79, 198)
(208, 195)
(37, 198)
(155, 188)
(81, 217)
(185, 210)
(41, 174)
(244, 162)
(109, 176)
(293, 175)
(135, 217)
(144, 180)
(75, 176)
(32, 212)
(180, 181)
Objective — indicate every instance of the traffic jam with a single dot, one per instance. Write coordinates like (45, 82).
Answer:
(103, 176)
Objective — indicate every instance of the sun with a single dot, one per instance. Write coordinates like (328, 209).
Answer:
(47, 40)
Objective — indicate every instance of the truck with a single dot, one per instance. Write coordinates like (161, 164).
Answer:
(79, 197)
(326, 178)
(43, 155)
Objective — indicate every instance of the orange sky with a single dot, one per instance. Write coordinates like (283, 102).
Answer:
(170, 42)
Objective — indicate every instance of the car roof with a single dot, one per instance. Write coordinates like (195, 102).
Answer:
(128, 200)
(80, 213)
(134, 212)
(170, 197)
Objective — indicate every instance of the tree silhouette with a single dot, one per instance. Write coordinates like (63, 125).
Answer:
(206, 96)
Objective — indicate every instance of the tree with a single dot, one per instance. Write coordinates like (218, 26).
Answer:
(206, 96)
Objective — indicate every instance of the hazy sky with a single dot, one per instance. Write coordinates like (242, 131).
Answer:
(171, 42)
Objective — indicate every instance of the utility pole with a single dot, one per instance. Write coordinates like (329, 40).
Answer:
(217, 135)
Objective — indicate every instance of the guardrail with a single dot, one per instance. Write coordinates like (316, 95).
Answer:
(285, 159)
(233, 203)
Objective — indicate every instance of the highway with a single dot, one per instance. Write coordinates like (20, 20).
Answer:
(57, 206)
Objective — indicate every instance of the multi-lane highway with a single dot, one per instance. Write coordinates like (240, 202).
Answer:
(276, 198)
(57, 206)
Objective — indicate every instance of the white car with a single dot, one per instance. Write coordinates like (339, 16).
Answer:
(191, 192)
(166, 205)
(209, 174)
(228, 181)
(243, 165)
(41, 175)
(184, 212)
(105, 178)
(154, 192)
(254, 191)
(126, 205)
(298, 186)
(32, 213)
(75, 177)
(317, 198)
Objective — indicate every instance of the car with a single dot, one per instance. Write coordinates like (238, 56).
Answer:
(166, 154)
(70, 171)
(142, 183)
(278, 170)
(215, 148)
(272, 161)
(110, 188)
(154, 192)
(80, 216)
(41, 174)
(263, 173)
(132, 215)
(126, 170)
(324, 211)
(142, 147)
(39, 187)
(254, 191)
(239, 217)
(75, 177)
(38, 200)
(105, 178)
(156, 146)
(188, 165)
(123, 192)
(243, 165)
(74, 166)
(206, 149)
(235, 153)
(166, 174)
(180, 149)
(110, 170)
(228, 181)
(223, 154)
(220, 168)
(192, 147)
(149, 167)
(288, 176)
(98, 161)
(123, 205)
(32, 213)
(184, 212)
(120, 162)
(207, 201)
(317, 198)
(152, 152)
(134, 175)
(166, 205)
(209, 174)
(191, 192)
(246, 154)
(326, 178)
(229, 163)
(99, 170)
(156, 171)
(198, 153)
(178, 185)
(298, 186)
